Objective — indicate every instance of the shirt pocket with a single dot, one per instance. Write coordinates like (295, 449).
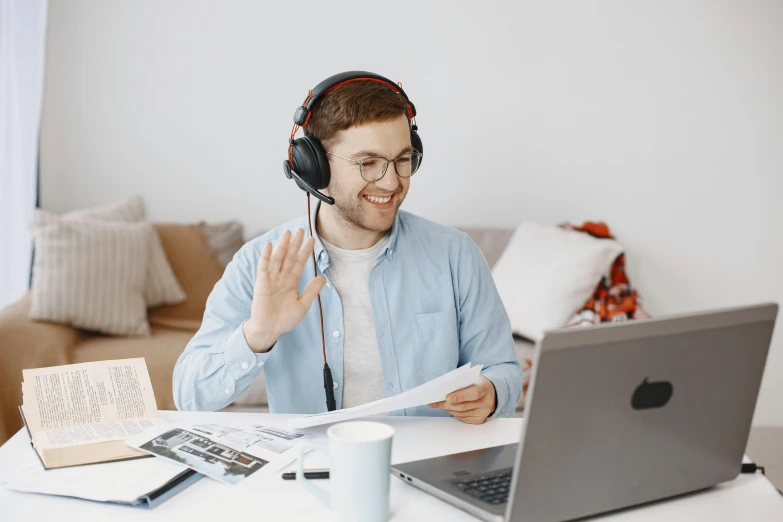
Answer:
(436, 341)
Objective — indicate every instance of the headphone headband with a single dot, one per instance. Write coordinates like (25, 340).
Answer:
(302, 114)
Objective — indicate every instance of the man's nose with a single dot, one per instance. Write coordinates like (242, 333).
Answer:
(389, 180)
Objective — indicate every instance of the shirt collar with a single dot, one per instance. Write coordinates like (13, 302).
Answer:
(395, 231)
(322, 256)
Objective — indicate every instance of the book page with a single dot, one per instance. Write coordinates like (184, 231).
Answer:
(87, 393)
(92, 433)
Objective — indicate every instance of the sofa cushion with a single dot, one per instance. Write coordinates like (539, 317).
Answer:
(160, 351)
(196, 269)
(92, 274)
(161, 287)
(547, 273)
(224, 239)
(129, 211)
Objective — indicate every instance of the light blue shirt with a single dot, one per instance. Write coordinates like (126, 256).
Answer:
(435, 307)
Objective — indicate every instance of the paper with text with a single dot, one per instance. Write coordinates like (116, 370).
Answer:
(88, 402)
(92, 433)
(435, 390)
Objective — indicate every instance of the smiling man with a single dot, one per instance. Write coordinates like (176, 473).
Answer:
(404, 299)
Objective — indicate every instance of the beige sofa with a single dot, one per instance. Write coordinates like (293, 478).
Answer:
(28, 344)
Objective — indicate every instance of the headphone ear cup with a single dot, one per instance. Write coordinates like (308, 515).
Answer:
(416, 142)
(310, 161)
(322, 162)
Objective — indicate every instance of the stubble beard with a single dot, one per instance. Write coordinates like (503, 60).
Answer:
(358, 214)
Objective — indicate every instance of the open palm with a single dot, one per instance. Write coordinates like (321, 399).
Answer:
(277, 306)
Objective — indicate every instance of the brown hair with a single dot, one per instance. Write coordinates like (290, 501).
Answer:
(354, 103)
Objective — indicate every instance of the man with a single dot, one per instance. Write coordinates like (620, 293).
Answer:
(404, 299)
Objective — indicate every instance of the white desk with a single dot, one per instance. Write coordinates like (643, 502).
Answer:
(749, 497)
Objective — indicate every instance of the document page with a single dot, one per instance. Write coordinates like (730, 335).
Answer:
(124, 481)
(225, 453)
(433, 391)
(90, 393)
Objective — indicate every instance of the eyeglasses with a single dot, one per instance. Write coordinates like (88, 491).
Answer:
(374, 168)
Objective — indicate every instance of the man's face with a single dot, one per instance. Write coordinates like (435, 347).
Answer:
(388, 139)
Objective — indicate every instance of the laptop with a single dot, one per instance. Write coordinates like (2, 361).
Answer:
(618, 415)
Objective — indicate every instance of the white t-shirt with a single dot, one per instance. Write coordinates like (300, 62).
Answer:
(349, 272)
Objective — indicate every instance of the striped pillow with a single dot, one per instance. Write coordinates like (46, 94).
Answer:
(91, 275)
(130, 210)
(162, 287)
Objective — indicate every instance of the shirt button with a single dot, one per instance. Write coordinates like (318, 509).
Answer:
(328, 284)
(244, 366)
(336, 384)
(391, 251)
(226, 390)
(335, 334)
(391, 385)
(260, 364)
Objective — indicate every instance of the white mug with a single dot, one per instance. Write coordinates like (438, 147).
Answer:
(359, 471)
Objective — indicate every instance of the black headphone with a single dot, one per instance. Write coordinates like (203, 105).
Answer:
(307, 162)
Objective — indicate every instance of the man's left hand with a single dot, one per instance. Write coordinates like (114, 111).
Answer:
(472, 404)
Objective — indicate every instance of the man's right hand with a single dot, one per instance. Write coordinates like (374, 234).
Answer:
(277, 306)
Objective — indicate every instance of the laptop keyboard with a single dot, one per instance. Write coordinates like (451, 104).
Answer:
(491, 488)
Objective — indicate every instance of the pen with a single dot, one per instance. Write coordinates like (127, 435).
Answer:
(309, 474)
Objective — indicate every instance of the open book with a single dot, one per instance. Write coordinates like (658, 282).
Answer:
(81, 413)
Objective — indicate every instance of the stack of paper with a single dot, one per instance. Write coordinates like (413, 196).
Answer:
(127, 482)
(435, 390)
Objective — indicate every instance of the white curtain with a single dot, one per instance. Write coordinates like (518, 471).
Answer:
(22, 38)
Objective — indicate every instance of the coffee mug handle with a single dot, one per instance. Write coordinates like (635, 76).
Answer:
(320, 493)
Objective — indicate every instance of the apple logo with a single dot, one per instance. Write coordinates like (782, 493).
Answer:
(650, 395)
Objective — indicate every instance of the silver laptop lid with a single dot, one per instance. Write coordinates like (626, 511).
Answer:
(622, 414)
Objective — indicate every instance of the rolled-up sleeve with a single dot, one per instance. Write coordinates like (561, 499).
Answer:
(485, 330)
(217, 365)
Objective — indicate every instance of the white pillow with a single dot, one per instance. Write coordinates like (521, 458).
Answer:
(161, 286)
(546, 274)
(91, 275)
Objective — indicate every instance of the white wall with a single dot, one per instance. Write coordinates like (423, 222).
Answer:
(664, 119)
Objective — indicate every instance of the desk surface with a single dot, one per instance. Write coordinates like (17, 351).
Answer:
(747, 497)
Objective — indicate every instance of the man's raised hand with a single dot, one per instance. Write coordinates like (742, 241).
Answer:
(277, 306)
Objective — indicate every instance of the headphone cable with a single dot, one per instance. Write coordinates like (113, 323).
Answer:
(328, 382)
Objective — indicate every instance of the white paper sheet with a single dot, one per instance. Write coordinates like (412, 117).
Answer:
(230, 454)
(435, 390)
(123, 481)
